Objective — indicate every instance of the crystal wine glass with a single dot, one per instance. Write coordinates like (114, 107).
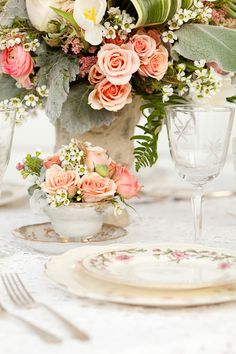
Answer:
(7, 123)
(199, 140)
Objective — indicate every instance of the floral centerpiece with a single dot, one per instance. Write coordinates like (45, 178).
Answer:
(76, 185)
(78, 57)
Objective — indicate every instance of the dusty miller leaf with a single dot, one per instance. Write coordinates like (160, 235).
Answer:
(212, 43)
(8, 87)
(77, 116)
(57, 71)
(12, 9)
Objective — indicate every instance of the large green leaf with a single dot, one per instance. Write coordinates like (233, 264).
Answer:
(57, 71)
(212, 43)
(8, 88)
(77, 116)
(12, 9)
(157, 11)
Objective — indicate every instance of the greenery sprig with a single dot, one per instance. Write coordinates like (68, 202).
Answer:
(146, 154)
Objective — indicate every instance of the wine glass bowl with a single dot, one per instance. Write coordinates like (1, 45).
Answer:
(7, 123)
(199, 139)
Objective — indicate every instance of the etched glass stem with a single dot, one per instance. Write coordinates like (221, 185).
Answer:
(197, 199)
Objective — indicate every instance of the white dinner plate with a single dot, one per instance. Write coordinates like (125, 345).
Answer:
(66, 271)
(163, 267)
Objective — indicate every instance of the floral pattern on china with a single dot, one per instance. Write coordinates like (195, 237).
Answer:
(163, 267)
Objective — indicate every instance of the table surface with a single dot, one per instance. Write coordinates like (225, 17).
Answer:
(118, 328)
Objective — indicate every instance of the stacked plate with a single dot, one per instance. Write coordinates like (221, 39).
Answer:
(167, 275)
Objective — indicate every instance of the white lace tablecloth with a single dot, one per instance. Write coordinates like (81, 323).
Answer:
(118, 329)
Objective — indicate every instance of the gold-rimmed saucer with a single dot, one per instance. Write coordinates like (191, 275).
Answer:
(42, 238)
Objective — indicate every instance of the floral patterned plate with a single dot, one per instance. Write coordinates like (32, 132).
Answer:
(67, 272)
(163, 267)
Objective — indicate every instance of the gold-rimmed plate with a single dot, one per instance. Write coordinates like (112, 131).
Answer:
(42, 238)
(163, 267)
(66, 271)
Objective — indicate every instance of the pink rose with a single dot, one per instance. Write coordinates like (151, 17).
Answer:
(155, 34)
(95, 75)
(51, 160)
(127, 184)
(57, 178)
(96, 188)
(144, 46)
(96, 155)
(18, 63)
(157, 64)
(117, 63)
(109, 96)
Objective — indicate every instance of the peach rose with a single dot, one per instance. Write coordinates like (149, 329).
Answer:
(96, 188)
(144, 46)
(15, 61)
(96, 155)
(109, 96)
(157, 64)
(118, 63)
(57, 178)
(95, 75)
(51, 160)
(127, 184)
(155, 34)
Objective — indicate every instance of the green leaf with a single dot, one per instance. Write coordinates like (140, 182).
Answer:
(57, 72)
(66, 15)
(12, 9)
(212, 43)
(154, 11)
(77, 116)
(231, 99)
(8, 88)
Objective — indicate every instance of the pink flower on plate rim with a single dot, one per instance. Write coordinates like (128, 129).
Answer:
(109, 96)
(96, 155)
(124, 258)
(96, 188)
(118, 63)
(157, 64)
(143, 45)
(57, 178)
(15, 61)
(224, 265)
(179, 255)
(127, 184)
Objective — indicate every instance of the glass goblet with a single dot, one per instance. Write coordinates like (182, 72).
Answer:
(199, 139)
(7, 124)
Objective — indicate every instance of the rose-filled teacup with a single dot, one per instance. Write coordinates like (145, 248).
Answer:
(76, 185)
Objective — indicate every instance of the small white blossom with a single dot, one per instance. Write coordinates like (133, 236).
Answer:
(200, 63)
(167, 92)
(35, 44)
(31, 100)
(169, 36)
(17, 40)
(42, 91)
(27, 47)
(114, 11)
(173, 25)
